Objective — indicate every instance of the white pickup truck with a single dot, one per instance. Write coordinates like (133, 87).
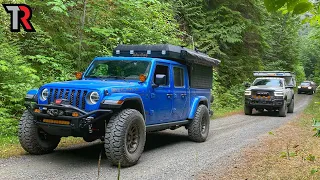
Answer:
(271, 90)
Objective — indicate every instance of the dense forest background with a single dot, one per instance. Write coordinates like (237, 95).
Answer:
(70, 33)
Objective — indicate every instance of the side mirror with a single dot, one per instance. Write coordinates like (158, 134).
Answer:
(160, 79)
(79, 75)
(289, 86)
(247, 85)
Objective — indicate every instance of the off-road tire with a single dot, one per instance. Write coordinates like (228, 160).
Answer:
(291, 106)
(119, 131)
(33, 139)
(283, 110)
(299, 92)
(312, 92)
(198, 129)
(247, 110)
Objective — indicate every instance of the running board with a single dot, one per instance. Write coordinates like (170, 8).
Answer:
(160, 127)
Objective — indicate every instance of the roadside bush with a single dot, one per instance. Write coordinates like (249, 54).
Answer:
(8, 127)
(16, 77)
(226, 98)
(230, 98)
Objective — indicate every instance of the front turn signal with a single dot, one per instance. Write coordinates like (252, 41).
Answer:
(79, 75)
(75, 114)
(142, 78)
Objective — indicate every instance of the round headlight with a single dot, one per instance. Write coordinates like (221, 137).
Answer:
(94, 97)
(44, 94)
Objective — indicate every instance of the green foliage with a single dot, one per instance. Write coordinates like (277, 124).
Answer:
(311, 158)
(313, 171)
(16, 77)
(8, 127)
(294, 6)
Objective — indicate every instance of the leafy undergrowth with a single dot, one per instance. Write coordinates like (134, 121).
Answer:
(223, 112)
(10, 147)
(290, 152)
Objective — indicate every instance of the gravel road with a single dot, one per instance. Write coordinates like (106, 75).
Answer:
(168, 154)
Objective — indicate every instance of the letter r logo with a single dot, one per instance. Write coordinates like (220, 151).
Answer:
(20, 14)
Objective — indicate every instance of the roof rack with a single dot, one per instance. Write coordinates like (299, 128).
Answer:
(166, 51)
(287, 75)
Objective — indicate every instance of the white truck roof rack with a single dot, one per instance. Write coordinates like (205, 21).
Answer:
(273, 74)
(287, 75)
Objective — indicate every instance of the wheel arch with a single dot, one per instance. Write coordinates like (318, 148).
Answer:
(127, 101)
(134, 103)
(201, 100)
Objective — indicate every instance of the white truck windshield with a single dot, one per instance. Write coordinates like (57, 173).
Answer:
(268, 82)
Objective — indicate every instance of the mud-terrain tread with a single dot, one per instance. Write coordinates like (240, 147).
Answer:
(28, 132)
(283, 110)
(291, 106)
(247, 110)
(115, 136)
(194, 131)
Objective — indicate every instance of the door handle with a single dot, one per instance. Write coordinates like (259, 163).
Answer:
(169, 95)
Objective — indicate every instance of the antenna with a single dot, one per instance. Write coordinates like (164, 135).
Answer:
(191, 38)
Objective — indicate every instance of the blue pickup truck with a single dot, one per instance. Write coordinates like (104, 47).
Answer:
(118, 99)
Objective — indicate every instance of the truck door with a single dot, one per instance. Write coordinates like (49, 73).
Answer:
(161, 97)
(180, 95)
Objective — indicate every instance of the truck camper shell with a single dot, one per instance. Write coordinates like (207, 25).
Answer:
(200, 65)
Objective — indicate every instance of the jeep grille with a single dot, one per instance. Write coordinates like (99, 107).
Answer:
(76, 97)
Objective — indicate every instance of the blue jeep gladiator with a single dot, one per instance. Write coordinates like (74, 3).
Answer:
(142, 88)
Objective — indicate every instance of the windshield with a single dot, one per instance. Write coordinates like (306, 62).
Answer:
(305, 84)
(268, 82)
(119, 69)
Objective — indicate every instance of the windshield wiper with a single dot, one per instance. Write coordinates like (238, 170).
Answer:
(104, 77)
(116, 77)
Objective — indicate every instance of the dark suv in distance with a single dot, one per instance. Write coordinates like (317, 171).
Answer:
(307, 87)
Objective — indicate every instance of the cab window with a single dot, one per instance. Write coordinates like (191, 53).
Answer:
(178, 77)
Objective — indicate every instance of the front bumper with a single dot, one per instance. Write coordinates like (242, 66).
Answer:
(304, 90)
(77, 126)
(264, 103)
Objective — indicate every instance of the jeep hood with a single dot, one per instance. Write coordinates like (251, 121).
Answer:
(92, 84)
(265, 88)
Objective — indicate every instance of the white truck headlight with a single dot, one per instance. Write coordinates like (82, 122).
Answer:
(44, 94)
(299, 87)
(278, 93)
(93, 97)
(309, 87)
(247, 93)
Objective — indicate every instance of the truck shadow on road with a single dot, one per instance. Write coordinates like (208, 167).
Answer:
(90, 152)
(266, 113)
